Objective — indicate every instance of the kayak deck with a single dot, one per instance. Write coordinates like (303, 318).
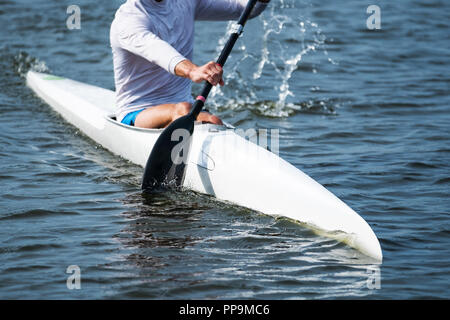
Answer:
(252, 177)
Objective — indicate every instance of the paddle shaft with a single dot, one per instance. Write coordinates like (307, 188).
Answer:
(161, 166)
(200, 101)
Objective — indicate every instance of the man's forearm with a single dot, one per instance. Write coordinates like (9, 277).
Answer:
(184, 69)
(210, 72)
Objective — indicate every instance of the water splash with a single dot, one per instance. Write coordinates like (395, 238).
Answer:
(263, 77)
(23, 62)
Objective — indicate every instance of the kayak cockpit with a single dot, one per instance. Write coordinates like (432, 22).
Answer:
(198, 125)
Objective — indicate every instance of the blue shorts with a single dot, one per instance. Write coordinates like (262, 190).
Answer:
(130, 118)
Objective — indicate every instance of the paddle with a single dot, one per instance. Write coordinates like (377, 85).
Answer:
(167, 160)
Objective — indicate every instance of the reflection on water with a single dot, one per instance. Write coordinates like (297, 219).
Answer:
(180, 243)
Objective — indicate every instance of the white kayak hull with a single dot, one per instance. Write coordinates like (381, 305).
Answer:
(221, 163)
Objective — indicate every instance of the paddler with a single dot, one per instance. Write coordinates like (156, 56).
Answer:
(152, 44)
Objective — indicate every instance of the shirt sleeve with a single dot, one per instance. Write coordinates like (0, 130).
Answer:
(225, 9)
(135, 37)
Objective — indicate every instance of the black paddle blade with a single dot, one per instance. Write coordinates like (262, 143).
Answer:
(167, 161)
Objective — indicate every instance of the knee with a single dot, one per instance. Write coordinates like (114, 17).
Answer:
(215, 120)
(182, 109)
(210, 118)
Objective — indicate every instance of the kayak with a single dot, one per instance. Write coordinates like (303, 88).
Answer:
(221, 163)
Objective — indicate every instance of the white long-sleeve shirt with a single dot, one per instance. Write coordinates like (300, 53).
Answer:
(149, 38)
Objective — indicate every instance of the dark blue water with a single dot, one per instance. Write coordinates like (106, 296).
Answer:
(364, 112)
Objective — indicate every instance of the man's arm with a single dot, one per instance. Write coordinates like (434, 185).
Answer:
(225, 9)
(135, 37)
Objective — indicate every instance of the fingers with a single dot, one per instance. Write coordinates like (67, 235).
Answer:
(213, 73)
(219, 69)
